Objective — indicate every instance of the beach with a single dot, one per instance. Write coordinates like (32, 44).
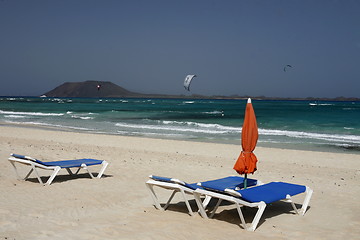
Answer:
(119, 206)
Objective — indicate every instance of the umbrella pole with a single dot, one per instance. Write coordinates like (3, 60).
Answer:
(245, 181)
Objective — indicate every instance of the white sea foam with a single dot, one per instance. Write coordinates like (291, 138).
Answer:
(14, 116)
(309, 135)
(171, 135)
(51, 125)
(31, 113)
(214, 112)
(170, 128)
(321, 104)
(81, 117)
(203, 125)
(202, 128)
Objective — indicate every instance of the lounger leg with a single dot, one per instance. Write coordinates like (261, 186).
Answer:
(288, 199)
(153, 195)
(70, 172)
(206, 201)
(51, 178)
(200, 205)
(104, 166)
(241, 216)
(216, 207)
(37, 174)
(187, 202)
(257, 217)
(84, 166)
(77, 171)
(170, 198)
(157, 203)
(306, 202)
(16, 172)
(28, 175)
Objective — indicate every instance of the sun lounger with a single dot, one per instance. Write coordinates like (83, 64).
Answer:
(257, 196)
(55, 166)
(176, 185)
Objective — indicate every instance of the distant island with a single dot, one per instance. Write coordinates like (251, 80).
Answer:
(90, 89)
(102, 89)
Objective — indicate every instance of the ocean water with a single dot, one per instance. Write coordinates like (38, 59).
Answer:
(307, 125)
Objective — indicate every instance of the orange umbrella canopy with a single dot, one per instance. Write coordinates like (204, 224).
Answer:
(246, 162)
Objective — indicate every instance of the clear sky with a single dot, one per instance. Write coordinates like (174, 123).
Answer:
(235, 47)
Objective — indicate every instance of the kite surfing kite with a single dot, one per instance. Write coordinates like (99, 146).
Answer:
(286, 67)
(187, 81)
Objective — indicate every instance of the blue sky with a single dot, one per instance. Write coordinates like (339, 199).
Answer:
(235, 47)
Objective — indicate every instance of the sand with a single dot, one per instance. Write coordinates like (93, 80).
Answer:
(119, 206)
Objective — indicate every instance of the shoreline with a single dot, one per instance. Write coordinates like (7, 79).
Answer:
(293, 146)
(119, 206)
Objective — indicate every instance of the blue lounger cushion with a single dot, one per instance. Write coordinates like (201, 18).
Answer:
(166, 179)
(73, 163)
(162, 179)
(231, 182)
(271, 192)
(63, 163)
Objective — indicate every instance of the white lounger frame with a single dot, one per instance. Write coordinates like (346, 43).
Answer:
(240, 202)
(177, 186)
(55, 169)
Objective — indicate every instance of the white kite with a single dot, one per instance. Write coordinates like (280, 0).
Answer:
(187, 81)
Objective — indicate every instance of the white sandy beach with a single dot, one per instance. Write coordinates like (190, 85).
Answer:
(118, 206)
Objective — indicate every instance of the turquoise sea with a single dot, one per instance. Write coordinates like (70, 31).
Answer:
(307, 125)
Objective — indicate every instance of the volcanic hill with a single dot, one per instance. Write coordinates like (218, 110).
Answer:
(91, 89)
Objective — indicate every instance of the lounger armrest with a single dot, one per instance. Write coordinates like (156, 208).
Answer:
(158, 178)
(23, 157)
(165, 179)
(178, 181)
(232, 192)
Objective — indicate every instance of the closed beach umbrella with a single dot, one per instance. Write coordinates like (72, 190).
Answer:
(246, 162)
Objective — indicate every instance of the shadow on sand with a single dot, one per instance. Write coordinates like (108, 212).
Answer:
(227, 212)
